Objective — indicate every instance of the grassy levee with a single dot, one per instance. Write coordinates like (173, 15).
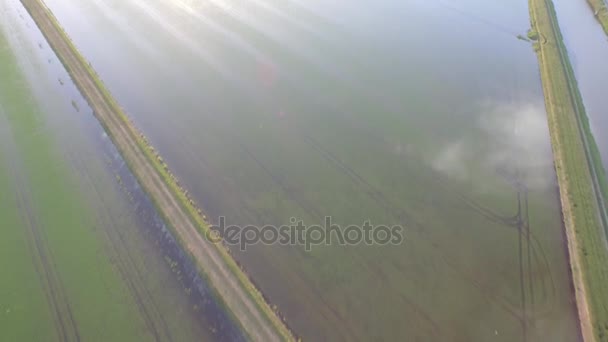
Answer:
(231, 285)
(600, 9)
(580, 175)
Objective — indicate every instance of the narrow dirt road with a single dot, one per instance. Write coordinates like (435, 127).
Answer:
(238, 294)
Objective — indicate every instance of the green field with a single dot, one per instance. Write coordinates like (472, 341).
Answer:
(578, 167)
(263, 124)
(368, 137)
(146, 164)
(52, 245)
(76, 262)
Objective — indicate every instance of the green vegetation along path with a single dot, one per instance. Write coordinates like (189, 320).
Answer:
(578, 170)
(74, 263)
(600, 9)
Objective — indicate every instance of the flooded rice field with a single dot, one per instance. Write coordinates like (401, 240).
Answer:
(423, 114)
(88, 257)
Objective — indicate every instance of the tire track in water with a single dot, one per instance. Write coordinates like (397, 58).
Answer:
(486, 212)
(388, 204)
(307, 207)
(253, 320)
(522, 286)
(533, 245)
(220, 326)
(437, 331)
(526, 252)
(515, 221)
(78, 167)
(287, 190)
(400, 214)
(35, 254)
(420, 312)
(45, 280)
(523, 230)
(489, 214)
(526, 218)
(65, 323)
(266, 170)
(125, 263)
(127, 279)
(478, 208)
(304, 205)
(378, 197)
(311, 211)
(59, 300)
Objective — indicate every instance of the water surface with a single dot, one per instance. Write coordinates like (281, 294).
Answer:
(426, 114)
(84, 254)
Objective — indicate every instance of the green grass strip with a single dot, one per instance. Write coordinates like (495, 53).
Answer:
(600, 10)
(581, 177)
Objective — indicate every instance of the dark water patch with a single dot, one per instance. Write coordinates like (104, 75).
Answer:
(203, 302)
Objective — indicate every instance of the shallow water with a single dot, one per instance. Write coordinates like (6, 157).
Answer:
(85, 254)
(426, 114)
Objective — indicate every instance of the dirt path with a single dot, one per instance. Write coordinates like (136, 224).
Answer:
(238, 294)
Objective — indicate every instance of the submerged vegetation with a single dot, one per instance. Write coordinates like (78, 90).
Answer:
(484, 236)
(600, 10)
(231, 285)
(73, 259)
(581, 177)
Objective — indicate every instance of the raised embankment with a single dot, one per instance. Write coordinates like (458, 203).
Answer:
(231, 285)
(580, 175)
(600, 9)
